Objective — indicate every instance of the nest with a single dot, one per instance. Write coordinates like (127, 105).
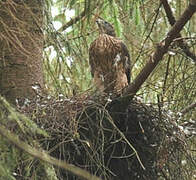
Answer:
(137, 142)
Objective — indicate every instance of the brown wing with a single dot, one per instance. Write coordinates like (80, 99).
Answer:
(127, 61)
(110, 63)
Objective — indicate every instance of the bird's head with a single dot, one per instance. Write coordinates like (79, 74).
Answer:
(105, 27)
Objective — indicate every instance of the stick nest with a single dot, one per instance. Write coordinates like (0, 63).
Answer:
(138, 142)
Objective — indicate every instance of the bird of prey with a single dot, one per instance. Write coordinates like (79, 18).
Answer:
(109, 60)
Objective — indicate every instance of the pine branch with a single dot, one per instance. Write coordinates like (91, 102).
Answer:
(161, 49)
(84, 13)
(172, 21)
(72, 21)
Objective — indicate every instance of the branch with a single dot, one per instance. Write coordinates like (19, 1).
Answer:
(44, 156)
(188, 108)
(79, 17)
(161, 49)
(72, 21)
(172, 21)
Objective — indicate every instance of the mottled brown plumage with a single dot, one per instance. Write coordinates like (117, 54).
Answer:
(109, 60)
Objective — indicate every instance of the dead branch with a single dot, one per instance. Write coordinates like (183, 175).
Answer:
(182, 44)
(161, 49)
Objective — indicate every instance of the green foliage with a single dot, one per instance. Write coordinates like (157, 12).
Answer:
(136, 13)
(8, 161)
(11, 158)
(141, 24)
(24, 123)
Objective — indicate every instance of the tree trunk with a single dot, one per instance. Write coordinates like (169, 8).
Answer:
(21, 48)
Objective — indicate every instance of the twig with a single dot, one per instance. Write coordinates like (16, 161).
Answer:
(188, 108)
(77, 18)
(148, 35)
(161, 49)
(172, 21)
(165, 79)
(127, 141)
(44, 156)
(72, 21)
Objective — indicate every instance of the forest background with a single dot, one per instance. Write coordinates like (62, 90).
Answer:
(69, 27)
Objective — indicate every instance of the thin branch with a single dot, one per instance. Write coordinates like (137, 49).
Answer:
(161, 49)
(78, 18)
(44, 156)
(148, 35)
(72, 21)
(127, 141)
(172, 21)
(188, 108)
(166, 76)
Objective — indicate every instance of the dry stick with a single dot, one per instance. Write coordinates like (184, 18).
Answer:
(44, 156)
(161, 49)
(172, 21)
(127, 141)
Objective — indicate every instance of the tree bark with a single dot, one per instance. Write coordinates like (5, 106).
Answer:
(21, 44)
